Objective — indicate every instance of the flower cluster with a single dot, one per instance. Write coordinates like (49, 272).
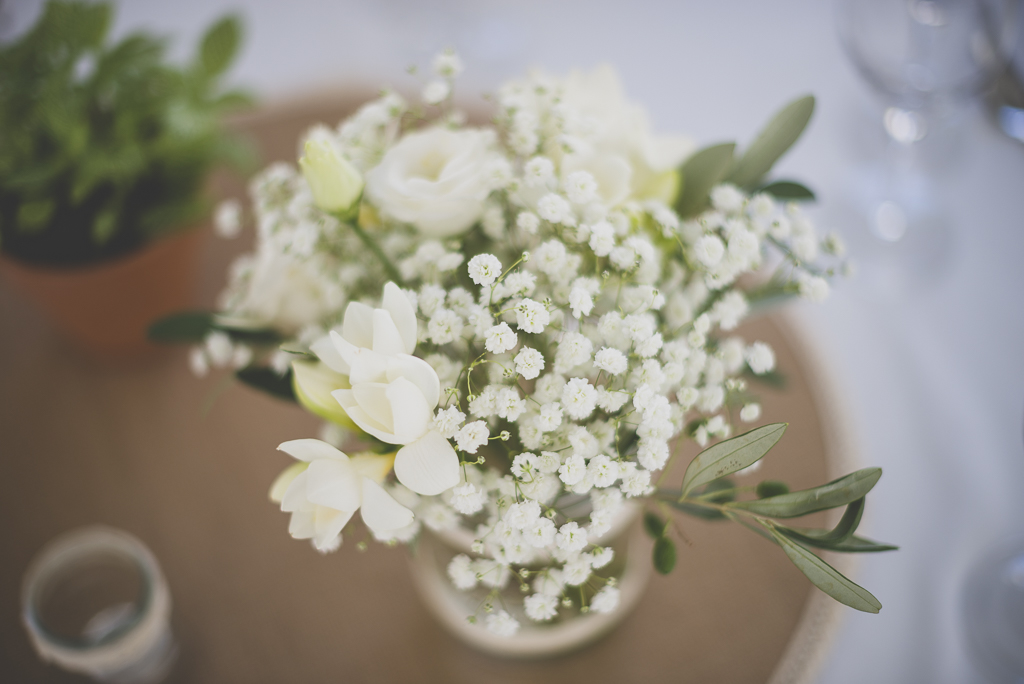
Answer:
(516, 317)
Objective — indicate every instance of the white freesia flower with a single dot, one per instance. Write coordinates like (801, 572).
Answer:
(434, 179)
(393, 394)
(336, 184)
(325, 491)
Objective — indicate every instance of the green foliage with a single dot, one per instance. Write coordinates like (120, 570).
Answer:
(827, 578)
(701, 172)
(664, 555)
(730, 455)
(771, 143)
(185, 327)
(267, 380)
(105, 146)
(771, 488)
(654, 525)
(788, 190)
(716, 499)
(832, 495)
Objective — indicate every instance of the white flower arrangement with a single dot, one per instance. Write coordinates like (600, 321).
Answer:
(522, 319)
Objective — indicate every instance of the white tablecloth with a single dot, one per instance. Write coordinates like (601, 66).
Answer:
(933, 370)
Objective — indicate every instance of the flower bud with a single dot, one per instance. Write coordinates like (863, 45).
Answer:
(335, 182)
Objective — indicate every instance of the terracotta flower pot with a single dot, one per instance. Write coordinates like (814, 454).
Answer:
(107, 308)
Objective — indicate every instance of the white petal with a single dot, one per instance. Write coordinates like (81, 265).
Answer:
(311, 449)
(411, 414)
(363, 420)
(364, 364)
(357, 327)
(303, 523)
(373, 397)
(329, 523)
(333, 484)
(294, 498)
(374, 466)
(284, 480)
(419, 372)
(380, 512)
(386, 339)
(403, 315)
(326, 351)
(429, 465)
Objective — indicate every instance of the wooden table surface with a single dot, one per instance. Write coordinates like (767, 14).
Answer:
(185, 464)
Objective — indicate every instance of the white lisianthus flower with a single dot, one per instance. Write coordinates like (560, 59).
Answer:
(324, 491)
(335, 183)
(434, 179)
(393, 394)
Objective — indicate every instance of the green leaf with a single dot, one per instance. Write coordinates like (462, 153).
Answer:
(654, 525)
(718, 491)
(731, 455)
(827, 578)
(702, 512)
(788, 190)
(103, 226)
(772, 142)
(267, 380)
(701, 172)
(857, 544)
(186, 327)
(771, 488)
(826, 539)
(33, 216)
(836, 493)
(664, 555)
(219, 45)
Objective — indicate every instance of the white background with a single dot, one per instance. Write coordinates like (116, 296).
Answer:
(930, 359)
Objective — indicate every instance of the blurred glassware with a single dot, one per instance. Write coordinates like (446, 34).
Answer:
(95, 602)
(994, 614)
(926, 59)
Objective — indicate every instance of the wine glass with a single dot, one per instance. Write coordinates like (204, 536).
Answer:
(925, 59)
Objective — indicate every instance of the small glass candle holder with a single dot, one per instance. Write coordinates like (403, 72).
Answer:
(95, 602)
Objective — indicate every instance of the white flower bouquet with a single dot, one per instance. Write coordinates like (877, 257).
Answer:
(516, 325)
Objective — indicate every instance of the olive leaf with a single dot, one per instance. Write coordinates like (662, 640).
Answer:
(267, 380)
(825, 577)
(664, 555)
(185, 327)
(795, 504)
(788, 190)
(702, 171)
(772, 142)
(769, 488)
(654, 525)
(730, 455)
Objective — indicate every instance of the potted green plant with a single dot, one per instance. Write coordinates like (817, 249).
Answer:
(104, 163)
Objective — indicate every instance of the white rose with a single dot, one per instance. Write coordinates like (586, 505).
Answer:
(616, 126)
(435, 180)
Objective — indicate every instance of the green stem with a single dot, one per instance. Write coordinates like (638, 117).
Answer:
(381, 256)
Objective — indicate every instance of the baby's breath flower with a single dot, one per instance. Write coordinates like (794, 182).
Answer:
(750, 413)
(484, 269)
(541, 607)
(532, 316)
(500, 339)
(760, 358)
(472, 436)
